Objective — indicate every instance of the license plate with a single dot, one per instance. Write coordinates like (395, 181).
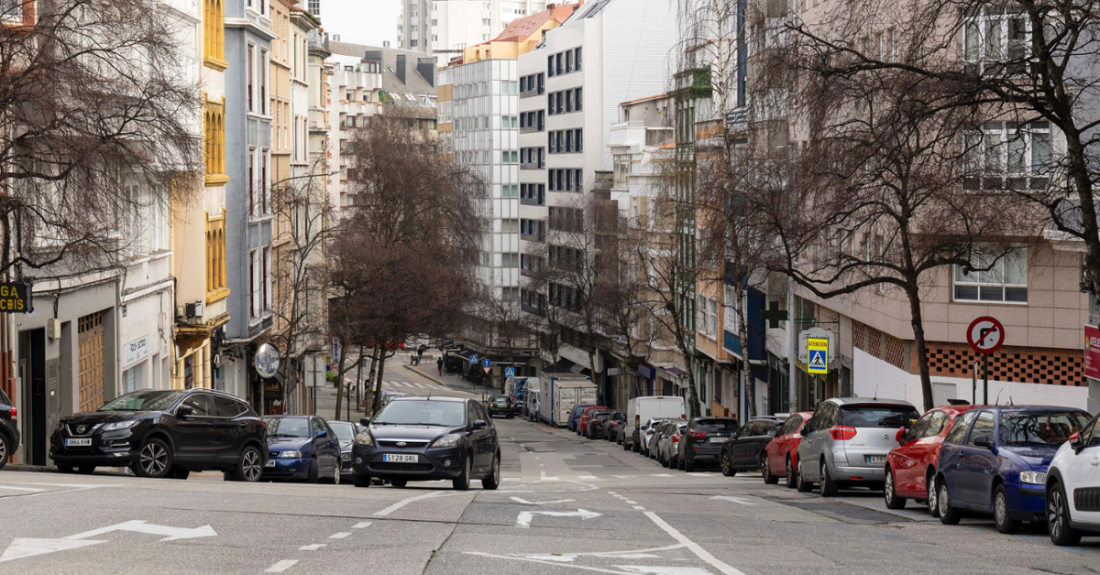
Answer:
(397, 458)
(716, 439)
(876, 459)
(78, 442)
(270, 463)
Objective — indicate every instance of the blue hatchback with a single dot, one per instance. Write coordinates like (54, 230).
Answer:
(994, 462)
(301, 447)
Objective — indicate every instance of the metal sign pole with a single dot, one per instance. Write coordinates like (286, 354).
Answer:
(985, 377)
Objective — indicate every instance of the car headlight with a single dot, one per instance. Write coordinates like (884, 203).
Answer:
(448, 440)
(120, 425)
(364, 439)
(1033, 477)
(294, 454)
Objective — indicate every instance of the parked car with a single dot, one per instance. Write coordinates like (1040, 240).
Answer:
(500, 405)
(597, 422)
(575, 415)
(419, 438)
(702, 440)
(612, 430)
(995, 460)
(648, 432)
(846, 442)
(161, 433)
(745, 450)
(911, 466)
(345, 433)
(662, 433)
(641, 410)
(388, 395)
(9, 429)
(782, 451)
(667, 454)
(301, 447)
(1073, 471)
(586, 415)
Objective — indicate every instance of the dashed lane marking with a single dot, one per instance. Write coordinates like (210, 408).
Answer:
(361, 525)
(312, 547)
(639, 508)
(281, 566)
(339, 535)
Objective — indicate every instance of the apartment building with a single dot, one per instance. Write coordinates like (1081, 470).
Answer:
(571, 85)
(445, 28)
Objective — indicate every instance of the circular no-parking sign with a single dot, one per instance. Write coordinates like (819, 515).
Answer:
(985, 335)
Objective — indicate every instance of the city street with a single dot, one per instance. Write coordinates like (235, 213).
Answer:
(567, 504)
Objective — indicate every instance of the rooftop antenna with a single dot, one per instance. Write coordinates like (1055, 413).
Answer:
(998, 400)
(876, 392)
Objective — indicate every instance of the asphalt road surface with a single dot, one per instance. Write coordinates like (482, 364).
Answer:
(567, 506)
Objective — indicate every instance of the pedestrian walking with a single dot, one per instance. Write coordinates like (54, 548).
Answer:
(439, 366)
(419, 354)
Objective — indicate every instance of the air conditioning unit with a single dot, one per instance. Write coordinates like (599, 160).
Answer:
(53, 328)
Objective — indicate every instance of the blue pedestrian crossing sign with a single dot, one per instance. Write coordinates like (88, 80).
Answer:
(818, 356)
(473, 358)
(509, 372)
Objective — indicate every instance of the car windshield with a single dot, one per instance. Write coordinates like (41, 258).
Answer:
(1040, 427)
(287, 427)
(876, 415)
(143, 401)
(423, 412)
(344, 431)
(716, 425)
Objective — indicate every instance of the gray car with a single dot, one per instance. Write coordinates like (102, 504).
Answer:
(846, 442)
(666, 443)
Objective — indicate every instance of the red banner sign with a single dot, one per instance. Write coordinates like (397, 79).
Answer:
(1092, 352)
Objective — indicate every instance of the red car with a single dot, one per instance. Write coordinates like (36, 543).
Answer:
(782, 451)
(910, 465)
(586, 415)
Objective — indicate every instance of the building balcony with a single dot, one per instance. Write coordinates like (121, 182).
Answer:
(531, 309)
(536, 201)
(532, 165)
(540, 236)
(640, 132)
(531, 129)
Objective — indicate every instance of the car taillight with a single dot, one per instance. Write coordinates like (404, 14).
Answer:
(649, 432)
(14, 413)
(263, 423)
(676, 438)
(842, 432)
(696, 434)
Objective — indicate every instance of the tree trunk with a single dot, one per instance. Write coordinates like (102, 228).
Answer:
(744, 376)
(922, 351)
(378, 384)
(339, 376)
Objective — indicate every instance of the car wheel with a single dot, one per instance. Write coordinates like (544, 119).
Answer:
(62, 468)
(766, 470)
(492, 481)
(689, 465)
(828, 485)
(933, 496)
(1001, 515)
(360, 480)
(948, 515)
(5, 451)
(635, 447)
(1058, 518)
(154, 459)
(86, 469)
(792, 479)
(462, 482)
(314, 471)
(399, 482)
(889, 493)
(625, 446)
(680, 463)
(803, 485)
(336, 473)
(724, 463)
(179, 473)
(250, 465)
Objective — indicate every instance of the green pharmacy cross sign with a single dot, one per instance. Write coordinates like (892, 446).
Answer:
(773, 315)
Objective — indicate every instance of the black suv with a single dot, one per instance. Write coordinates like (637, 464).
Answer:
(165, 433)
(9, 430)
(418, 439)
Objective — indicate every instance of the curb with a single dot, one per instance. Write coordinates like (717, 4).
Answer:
(29, 467)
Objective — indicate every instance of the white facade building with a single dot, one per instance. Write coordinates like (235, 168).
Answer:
(444, 28)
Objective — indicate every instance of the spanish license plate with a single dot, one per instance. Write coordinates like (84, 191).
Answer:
(398, 458)
(270, 463)
(717, 439)
(876, 459)
(86, 442)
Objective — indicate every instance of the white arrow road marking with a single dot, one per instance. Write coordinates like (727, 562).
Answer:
(526, 502)
(733, 499)
(559, 560)
(693, 546)
(281, 566)
(172, 533)
(524, 518)
(22, 548)
(409, 500)
(543, 477)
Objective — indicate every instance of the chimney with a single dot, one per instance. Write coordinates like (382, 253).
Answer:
(426, 68)
(401, 68)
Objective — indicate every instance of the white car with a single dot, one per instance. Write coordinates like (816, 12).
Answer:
(1073, 487)
(649, 437)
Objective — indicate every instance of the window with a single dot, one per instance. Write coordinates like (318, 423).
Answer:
(577, 58)
(936, 422)
(578, 97)
(215, 256)
(712, 317)
(263, 63)
(958, 432)
(730, 320)
(214, 33)
(1004, 281)
(983, 428)
(255, 284)
(214, 140)
(225, 407)
(997, 41)
(199, 404)
(1008, 155)
(315, 7)
(701, 311)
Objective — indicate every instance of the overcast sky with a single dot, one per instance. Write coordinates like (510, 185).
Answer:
(362, 21)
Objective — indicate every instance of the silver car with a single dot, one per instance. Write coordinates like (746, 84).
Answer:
(667, 442)
(846, 442)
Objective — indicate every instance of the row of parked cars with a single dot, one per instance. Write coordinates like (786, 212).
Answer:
(1018, 464)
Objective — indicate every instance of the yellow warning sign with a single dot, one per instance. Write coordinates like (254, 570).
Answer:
(818, 355)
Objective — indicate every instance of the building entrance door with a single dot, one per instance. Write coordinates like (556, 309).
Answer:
(90, 346)
(32, 374)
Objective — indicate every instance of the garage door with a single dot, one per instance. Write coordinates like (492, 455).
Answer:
(90, 348)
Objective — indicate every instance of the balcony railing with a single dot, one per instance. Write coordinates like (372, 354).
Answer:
(534, 201)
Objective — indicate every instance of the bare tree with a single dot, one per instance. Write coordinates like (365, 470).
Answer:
(95, 103)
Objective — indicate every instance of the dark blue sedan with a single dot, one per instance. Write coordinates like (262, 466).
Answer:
(301, 447)
(994, 462)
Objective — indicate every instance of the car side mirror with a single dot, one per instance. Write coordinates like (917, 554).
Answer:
(1075, 442)
(479, 424)
(322, 433)
(364, 421)
(184, 411)
(901, 436)
(984, 441)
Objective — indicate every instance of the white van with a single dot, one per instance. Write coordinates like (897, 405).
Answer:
(642, 409)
